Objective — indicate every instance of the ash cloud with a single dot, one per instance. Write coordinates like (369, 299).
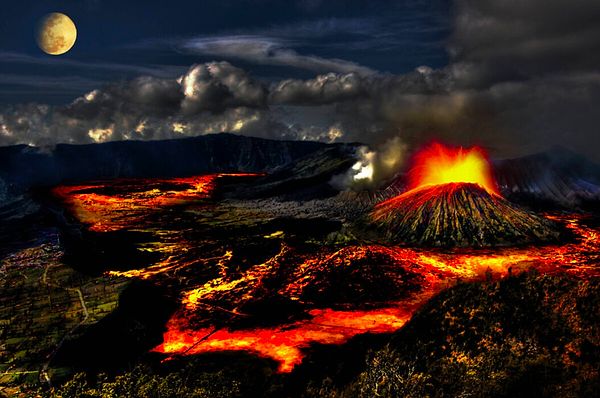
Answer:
(512, 40)
(522, 77)
(373, 165)
(535, 66)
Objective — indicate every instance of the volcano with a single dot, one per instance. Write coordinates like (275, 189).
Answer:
(453, 201)
(459, 214)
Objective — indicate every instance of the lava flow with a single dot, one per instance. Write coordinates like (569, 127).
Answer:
(110, 206)
(437, 270)
(278, 303)
(113, 205)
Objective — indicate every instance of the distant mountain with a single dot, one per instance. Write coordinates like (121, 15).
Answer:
(27, 166)
(304, 179)
(302, 164)
(557, 177)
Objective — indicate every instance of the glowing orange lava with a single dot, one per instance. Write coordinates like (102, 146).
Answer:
(285, 343)
(212, 304)
(439, 164)
(125, 203)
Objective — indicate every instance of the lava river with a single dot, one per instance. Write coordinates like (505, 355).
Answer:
(297, 295)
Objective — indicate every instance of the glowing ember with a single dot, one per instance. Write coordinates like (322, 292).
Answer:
(438, 164)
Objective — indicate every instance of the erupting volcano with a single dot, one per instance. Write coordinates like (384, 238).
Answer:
(453, 200)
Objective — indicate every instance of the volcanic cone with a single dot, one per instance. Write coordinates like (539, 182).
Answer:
(459, 214)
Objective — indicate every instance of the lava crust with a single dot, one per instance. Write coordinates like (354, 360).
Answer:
(459, 215)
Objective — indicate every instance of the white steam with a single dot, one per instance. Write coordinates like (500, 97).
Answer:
(364, 169)
(373, 166)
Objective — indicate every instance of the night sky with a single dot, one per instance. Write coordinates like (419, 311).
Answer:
(125, 39)
(514, 76)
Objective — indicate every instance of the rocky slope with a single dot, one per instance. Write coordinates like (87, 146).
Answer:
(26, 166)
(459, 214)
(556, 178)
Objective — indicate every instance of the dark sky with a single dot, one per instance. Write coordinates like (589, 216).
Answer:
(124, 39)
(513, 76)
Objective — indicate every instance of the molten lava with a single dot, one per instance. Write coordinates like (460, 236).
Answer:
(118, 204)
(438, 164)
(287, 343)
(331, 287)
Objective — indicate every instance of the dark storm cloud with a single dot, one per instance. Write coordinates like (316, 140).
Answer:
(210, 97)
(217, 97)
(324, 89)
(212, 87)
(219, 85)
(333, 88)
(514, 40)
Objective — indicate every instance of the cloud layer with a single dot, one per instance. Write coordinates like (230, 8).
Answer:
(268, 51)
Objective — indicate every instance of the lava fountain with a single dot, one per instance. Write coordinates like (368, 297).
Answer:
(438, 164)
(453, 200)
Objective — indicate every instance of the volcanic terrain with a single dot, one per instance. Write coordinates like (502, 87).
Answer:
(246, 273)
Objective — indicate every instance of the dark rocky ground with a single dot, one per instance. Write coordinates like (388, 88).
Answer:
(525, 336)
(528, 335)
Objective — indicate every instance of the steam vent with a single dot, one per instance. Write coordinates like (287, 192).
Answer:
(453, 201)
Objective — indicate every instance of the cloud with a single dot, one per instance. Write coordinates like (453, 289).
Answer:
(210, 97)
(61, 62)
(534, 65)
(268, 51)
(219, 85)
(334, 87)
(507, 40)
(212, 87)
(324, 89)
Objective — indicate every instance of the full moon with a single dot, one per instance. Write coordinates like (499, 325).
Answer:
(57, 34)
